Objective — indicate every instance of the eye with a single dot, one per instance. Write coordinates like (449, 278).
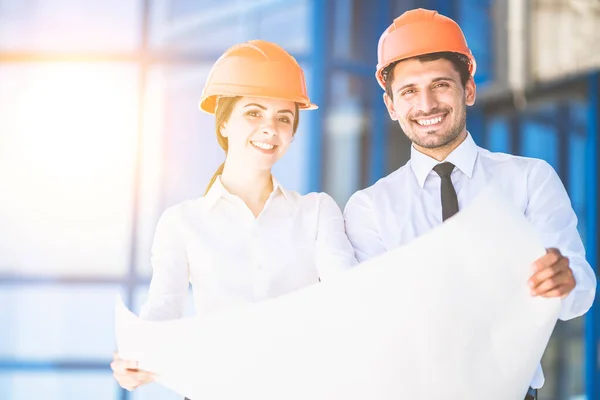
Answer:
(408, 92)
(441, 84)
(285, 120)
(253, 113)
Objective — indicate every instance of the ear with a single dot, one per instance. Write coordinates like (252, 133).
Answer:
(223, 129)
(389, 104)
(470, 92)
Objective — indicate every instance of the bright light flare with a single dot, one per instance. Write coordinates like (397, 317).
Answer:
(68, 142)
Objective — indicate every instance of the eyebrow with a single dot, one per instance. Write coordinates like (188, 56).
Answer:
(441, 78)
(264, 108)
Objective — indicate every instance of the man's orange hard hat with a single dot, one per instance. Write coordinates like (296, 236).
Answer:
(419, 32)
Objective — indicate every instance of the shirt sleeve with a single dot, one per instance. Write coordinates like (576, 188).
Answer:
(549, 210)
(334, 252)
(170, 271)
(361, 227)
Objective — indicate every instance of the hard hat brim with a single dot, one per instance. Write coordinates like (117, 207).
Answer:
(209, 104)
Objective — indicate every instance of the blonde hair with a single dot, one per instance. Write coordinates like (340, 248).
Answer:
(223, 110)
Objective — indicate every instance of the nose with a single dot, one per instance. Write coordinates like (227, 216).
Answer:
(269, 127)
(427, 101)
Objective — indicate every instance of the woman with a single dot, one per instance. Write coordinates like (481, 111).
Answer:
(247, 239)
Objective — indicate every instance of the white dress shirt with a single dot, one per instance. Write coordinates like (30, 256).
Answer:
(406, 204)
(231, 257)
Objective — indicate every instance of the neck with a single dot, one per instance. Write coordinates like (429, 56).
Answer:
(440, 153)
(250, 185)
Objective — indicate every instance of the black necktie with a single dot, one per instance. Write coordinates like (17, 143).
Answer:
(449, 200)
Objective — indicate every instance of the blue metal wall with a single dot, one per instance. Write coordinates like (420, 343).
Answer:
(592, 164)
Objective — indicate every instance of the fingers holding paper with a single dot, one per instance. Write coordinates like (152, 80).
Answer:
(128, 375)
(552, 276)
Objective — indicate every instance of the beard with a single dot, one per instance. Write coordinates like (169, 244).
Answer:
(435, 139)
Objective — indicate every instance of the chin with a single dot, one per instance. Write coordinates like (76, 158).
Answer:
(264, 166)
(432, 139)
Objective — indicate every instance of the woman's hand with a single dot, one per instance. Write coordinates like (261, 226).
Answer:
(127, 373)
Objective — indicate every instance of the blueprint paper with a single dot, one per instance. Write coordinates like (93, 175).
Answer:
(447, 316)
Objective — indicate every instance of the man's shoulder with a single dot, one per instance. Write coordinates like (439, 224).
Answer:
(514, 172)
(496, 156)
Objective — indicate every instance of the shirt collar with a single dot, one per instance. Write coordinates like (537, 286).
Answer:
(277, 187)
(218, 191)
(463, 157)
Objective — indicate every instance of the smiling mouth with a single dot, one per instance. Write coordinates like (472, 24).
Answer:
(263, 145)
(430, 121)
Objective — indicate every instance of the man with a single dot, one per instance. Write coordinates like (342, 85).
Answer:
(426, 70)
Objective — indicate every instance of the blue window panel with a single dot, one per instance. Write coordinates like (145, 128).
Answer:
(579, 118)
(70, 25)
(49, 323)
(181, 8)
(592, 319)
(344, 131)
(499, 136)
(319, 17)
(444, 7)
(577, 170)
(286, 23)
(540, 141)
(476, 20)
(342, 29)
(476, 124)
(186, 27)
(355, 32)
(24, 385)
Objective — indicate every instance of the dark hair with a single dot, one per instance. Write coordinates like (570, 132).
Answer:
(461, 65)
(223, 111)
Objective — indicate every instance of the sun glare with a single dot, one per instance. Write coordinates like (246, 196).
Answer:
(67, 155)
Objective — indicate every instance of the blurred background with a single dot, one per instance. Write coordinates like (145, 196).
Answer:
(100, 131)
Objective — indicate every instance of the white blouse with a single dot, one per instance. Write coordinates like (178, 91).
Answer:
(231, 257)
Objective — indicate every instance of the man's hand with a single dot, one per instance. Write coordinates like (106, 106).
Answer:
(552, 276)
(127, 374)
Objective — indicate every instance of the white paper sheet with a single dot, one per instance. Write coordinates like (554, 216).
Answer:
(448, 316)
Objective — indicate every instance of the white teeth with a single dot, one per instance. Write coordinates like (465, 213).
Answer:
(432, 121)
(261, 145)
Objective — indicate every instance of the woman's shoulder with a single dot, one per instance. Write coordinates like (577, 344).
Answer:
(311, 200)
(179, 211)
